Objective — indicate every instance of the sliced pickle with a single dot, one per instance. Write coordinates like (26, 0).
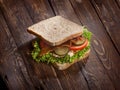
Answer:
(79, 41)
(61, 50)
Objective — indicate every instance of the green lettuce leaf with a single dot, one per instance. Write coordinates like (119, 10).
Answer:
(87, 34)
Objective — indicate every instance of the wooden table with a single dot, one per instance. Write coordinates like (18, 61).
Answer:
(20, 72)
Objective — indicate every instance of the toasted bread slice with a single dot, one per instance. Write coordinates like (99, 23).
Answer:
(66, 65)
(56, 30)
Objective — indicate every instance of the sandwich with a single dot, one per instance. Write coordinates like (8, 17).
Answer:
(61, 42)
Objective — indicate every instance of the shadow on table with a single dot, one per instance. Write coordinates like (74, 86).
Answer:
(2, 84)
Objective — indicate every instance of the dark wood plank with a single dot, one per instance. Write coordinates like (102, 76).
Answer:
(65, 11)
(109, 13)
(18, 20)
(41, 75)
(118, 3)
(3, 85)
(12, 67)
(38, 9)
(73, 77)
(64, 77)
(89, 71)
(107, 54)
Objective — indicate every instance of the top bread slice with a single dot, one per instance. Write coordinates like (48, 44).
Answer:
(56, 30)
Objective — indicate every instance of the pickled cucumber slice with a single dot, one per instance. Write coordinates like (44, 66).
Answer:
(62, 50)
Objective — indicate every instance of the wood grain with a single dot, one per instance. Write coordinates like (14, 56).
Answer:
(38, 10)
(12, 67)
(109, 13)
(20, 71)
(110, 58)
(118, 3)
(66, 11)
(18, 20)
(93, 60)
(19, 33)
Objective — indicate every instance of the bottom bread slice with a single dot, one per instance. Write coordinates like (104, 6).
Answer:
(64, 66)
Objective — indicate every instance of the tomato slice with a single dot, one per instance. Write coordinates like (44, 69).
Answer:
(79, 47)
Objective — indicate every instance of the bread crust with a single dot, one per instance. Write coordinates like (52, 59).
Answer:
(56, 30)
(67, 65)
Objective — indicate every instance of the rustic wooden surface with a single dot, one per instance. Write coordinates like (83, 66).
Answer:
(19, 72)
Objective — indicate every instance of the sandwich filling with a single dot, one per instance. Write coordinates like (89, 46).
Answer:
(69, 51)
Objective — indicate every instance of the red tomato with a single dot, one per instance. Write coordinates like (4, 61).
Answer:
(79, 47)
